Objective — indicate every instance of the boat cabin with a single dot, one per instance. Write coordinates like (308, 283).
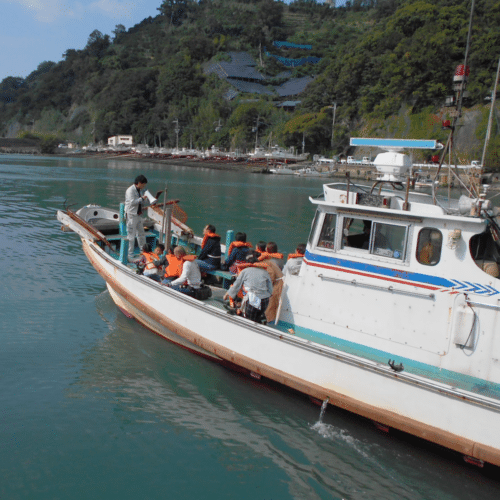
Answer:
(353, 222)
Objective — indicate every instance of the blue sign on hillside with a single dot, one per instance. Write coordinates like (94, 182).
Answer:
(396, 143)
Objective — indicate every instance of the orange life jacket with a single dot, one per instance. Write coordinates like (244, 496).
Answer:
(267, 255)
(206, 237)
(240, 267)
(149, 257)
(295, 256)
(174, 267)
(238, 244)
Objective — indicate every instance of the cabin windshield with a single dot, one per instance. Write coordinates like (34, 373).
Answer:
(389, 240)
(356, 233)
(327, 235)
(377, 238)
(314, 226)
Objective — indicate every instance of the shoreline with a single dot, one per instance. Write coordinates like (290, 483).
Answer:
(358, 172)
(258, 167)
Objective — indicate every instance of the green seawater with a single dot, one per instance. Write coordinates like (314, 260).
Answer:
(92, 405)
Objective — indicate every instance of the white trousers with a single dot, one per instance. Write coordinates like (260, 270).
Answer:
(135, 229)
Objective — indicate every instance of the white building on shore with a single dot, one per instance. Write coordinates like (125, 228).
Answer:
(120, 139)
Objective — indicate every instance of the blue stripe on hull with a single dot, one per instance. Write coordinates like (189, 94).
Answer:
(411, 277)
(406, 277)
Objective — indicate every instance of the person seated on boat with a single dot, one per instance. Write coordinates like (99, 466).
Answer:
(135, 201)
(210, 255)
(237, 253)
(173, 266)
(151, 261)
(261, 246)
(277, 281)
(190, 279)
(294, 261)
(258, 286)
(273, 254)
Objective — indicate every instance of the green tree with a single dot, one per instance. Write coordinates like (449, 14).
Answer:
(175, 10)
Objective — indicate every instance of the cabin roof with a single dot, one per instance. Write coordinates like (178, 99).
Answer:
(421, 205)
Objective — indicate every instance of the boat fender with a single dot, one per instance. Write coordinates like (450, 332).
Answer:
(396, 368)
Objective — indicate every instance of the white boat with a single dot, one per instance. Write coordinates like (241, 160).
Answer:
(282, 169)
(186, 153)
(279, 153)
(312, 172)
(393, 315)
(104, 220)
(258, 154)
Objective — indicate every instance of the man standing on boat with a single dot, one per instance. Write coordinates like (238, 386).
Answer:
(135, 200)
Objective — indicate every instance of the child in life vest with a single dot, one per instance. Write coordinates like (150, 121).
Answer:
(151, 261)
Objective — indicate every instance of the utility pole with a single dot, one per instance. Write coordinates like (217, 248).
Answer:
(256, 132)
(177, 130)
(490, 119)
(334, 106)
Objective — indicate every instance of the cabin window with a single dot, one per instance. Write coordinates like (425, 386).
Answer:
(314, 226)
(389, 240)
(429, 245)
(327, 235)
(356, 233)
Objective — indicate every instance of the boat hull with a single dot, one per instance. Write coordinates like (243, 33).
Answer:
(407, 402)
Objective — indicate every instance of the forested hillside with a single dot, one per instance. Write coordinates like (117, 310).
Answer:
(387, 64)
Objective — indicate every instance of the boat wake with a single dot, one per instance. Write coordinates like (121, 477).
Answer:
(328, 431)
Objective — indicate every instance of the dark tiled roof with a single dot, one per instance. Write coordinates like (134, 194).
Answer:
(294, 86)
(250, 87)
(231, 70)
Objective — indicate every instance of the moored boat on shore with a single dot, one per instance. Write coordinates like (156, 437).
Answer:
(288, 155)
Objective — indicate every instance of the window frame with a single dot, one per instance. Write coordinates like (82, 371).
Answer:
(418, 249)
(320, 229)
(313, 234)
(367, 254)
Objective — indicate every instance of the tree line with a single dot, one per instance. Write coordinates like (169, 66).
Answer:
(378, 57)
